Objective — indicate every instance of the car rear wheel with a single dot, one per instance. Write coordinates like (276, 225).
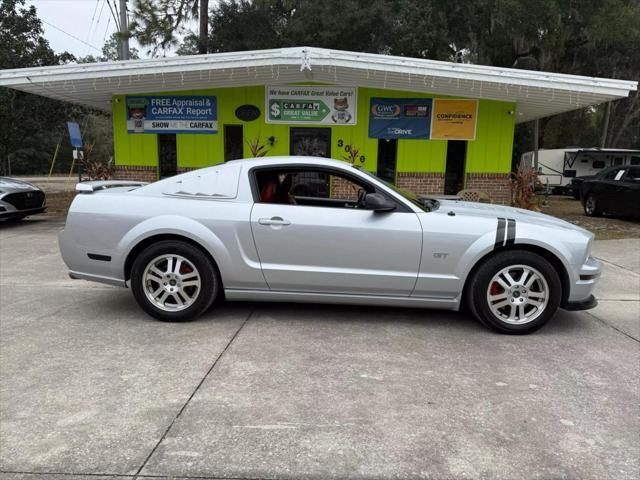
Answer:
(174, 281)
(515, 292)
(591, 206)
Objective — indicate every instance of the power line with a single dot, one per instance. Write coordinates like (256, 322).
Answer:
(115, 17)
(70, 35)
(93, 17)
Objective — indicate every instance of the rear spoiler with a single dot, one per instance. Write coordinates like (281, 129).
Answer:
(90, 187)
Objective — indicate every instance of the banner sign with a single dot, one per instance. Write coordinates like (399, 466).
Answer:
(400, 118)
(317, 104)
(423, 118)
(172, 114)
(454, 119)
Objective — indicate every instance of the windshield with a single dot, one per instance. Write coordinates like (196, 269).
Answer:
(426, 204)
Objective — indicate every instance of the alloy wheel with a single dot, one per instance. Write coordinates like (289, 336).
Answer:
(171, 282)
(518, 294)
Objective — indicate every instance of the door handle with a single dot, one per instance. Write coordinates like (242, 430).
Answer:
(274, 221)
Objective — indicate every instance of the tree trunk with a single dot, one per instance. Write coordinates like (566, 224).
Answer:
(203, 33)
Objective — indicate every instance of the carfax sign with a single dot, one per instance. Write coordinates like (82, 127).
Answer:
(172, 114)
(311, 104)
(400, 118)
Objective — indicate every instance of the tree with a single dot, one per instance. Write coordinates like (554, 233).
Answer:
(110, 52)
(29, 124)
(159, 24)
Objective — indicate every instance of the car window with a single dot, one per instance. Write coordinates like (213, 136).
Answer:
(619, 174)
(308, 186)
(612, 174)
(633, 174)
(635, 160)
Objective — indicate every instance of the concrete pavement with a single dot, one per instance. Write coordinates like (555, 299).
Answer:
(90, 387)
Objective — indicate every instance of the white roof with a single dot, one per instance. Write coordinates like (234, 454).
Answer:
(537, 94)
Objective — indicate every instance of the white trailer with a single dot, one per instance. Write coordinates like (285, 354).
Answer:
(556, 167)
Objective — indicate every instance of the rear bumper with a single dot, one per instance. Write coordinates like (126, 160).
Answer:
(586, 304)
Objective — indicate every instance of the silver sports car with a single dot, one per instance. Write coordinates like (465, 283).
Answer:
(302, 229)
(20, 199)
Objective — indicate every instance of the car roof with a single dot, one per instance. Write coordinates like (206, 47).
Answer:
(290, 160)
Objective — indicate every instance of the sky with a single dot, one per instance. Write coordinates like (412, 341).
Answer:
(90, 21)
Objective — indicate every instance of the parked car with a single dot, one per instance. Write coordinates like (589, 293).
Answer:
(241, 228)
(558, 167)
(20, 199)
(617, 192)
(575, 188)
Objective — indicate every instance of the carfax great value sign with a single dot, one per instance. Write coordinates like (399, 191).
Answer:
(172, 114)
(311, 104)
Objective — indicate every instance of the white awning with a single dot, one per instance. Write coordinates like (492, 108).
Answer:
(536, 94)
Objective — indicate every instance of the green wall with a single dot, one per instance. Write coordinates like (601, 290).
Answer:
(489, 153)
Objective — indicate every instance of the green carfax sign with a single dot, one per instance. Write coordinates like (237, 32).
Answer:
(311, 104)
(298, 110)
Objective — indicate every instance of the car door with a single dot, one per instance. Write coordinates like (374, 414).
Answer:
(630, 192)
(326, 245)
(606, 189)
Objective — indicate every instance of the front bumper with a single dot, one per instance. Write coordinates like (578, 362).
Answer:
(584, 281)
(21, 213)
(587, 304)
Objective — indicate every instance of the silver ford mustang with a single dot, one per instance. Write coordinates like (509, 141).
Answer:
(303, 229)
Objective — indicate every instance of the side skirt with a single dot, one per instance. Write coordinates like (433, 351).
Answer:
(343, 299)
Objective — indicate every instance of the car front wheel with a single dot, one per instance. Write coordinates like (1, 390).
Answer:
(515, 292)
(591, 206)
(174, 281)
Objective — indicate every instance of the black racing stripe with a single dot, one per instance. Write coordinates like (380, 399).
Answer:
(500, 233)
(511, 232)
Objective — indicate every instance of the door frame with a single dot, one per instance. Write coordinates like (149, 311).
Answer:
(464, 165)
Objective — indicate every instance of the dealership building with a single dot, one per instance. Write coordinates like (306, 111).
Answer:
(427, 126)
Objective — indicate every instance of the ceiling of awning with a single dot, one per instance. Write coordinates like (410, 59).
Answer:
(536, 94)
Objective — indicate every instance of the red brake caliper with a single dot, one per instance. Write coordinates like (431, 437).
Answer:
(495, 289)
(184, 268)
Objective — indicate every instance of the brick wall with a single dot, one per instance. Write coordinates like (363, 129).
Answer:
(421, 183)
(496, 185)
(343, 189)
(140, 174)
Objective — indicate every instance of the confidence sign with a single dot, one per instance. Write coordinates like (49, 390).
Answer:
(172, 114)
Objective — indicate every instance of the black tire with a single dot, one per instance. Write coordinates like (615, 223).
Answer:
(591, 206)
(210, 283)
(479, 284)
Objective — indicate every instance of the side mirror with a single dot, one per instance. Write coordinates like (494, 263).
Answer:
(378, 203)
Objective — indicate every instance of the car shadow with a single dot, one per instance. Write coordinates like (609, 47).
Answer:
(121, 304)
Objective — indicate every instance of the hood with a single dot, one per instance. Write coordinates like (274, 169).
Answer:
(489, 210)
(13, 185)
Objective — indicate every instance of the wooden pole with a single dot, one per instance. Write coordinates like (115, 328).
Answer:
(53, 160)
(536, 134)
